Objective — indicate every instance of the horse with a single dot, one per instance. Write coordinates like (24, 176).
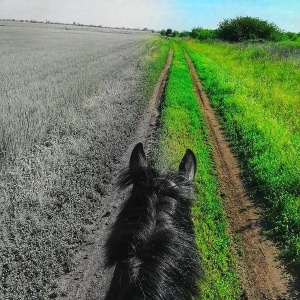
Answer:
(152, 242)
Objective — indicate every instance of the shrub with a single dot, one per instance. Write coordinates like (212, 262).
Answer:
(163, 32)
(247, 28)
(291, 36)
(184, 33)
(175, 33)
(169, 32)
(203, 34)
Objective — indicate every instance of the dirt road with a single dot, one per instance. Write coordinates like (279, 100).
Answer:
(262, 274)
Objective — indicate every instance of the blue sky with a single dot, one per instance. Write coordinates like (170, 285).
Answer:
(155, 14)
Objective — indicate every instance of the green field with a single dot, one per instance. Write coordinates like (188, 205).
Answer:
(255, 91)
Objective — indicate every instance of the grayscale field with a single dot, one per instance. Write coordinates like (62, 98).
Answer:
(70, 102)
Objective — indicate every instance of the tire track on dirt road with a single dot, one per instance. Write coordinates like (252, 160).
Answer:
(90, 279)
(262, 275)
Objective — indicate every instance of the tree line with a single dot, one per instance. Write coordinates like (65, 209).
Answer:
(239, 29)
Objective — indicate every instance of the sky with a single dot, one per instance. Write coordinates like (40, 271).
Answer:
(153, 14)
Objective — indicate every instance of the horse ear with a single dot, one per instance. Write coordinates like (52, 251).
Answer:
(138, 158)
(188, 164)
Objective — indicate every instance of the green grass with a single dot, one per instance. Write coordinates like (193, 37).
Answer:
(183, 127)
(255, 90)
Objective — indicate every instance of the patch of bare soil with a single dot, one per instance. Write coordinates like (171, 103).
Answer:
(262, 274)
(90, 280)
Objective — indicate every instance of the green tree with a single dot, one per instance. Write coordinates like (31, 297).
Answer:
(248, 28)
(175, 33)
(163, 32)
(169, 32)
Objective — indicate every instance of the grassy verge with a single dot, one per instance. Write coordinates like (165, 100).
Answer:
(255, 90)
(183, 127)
(49, 191)
(154, 62)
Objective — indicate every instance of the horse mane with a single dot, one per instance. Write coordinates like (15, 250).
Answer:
(152, 240)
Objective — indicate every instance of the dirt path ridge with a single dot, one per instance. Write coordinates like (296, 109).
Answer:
(262, 275)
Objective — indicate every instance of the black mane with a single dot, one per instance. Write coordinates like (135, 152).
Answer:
(152, 242)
